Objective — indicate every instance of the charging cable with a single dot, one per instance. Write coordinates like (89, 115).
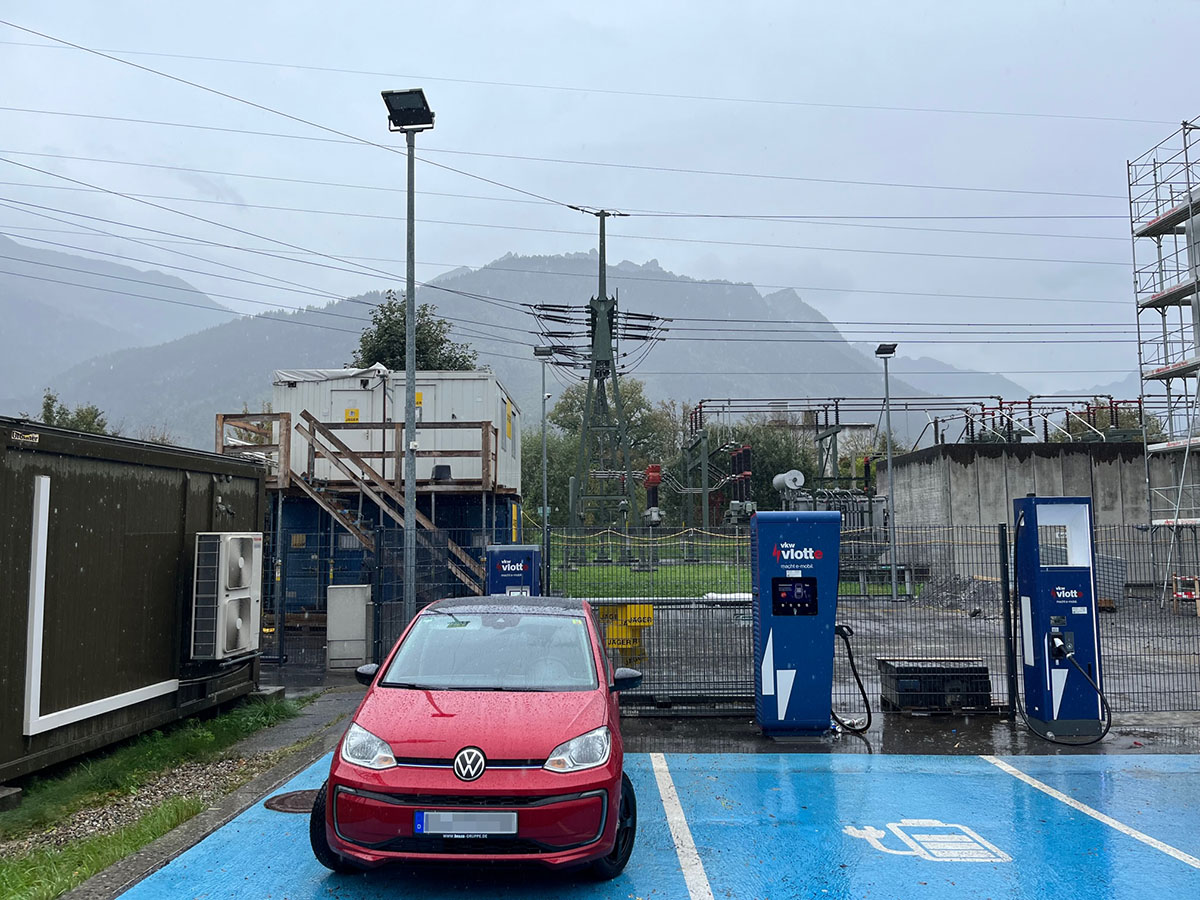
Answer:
(1059, 647)
(845, 632)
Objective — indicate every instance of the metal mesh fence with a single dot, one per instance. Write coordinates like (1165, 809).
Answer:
(1150, 641)
(677, 605)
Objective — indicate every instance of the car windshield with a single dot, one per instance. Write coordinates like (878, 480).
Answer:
(495, 651)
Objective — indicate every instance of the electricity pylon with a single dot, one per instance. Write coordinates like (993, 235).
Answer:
(603, 485)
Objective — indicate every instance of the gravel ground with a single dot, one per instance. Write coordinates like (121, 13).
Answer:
(208, 781)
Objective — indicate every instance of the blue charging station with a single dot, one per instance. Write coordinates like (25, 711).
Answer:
(1060, 638)
(794, 567)
(514, 569)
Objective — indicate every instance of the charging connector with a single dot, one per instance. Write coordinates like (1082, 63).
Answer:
(845, 632)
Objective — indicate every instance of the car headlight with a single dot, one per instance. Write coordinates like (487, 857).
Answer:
(362, 748)
(584, 752)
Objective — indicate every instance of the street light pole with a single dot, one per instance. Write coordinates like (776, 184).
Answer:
(410, 400)
(408, 111)
(544, 353)
(885, 352)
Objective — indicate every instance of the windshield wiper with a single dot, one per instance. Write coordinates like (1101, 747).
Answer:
(409, 685)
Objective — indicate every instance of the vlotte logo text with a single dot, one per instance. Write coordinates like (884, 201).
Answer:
(511, 565)
(1067, 593)
(790, 552)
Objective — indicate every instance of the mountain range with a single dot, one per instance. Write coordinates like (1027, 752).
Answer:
(162, 364)
(61, 308)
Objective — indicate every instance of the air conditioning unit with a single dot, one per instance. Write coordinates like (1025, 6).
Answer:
(226, 594)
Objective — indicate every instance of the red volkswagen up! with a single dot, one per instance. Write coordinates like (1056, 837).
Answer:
(491, 732)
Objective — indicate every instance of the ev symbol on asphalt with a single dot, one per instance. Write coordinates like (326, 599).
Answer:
(933, 840)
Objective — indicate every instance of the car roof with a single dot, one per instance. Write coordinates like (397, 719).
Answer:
(502, 603)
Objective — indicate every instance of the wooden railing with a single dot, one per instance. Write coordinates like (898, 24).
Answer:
(277, 456)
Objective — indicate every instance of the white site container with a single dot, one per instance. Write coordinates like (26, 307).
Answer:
(377, 395)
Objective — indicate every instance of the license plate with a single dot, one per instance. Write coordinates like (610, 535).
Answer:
(465, 824)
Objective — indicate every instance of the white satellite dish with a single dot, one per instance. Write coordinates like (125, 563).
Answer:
(791, 480)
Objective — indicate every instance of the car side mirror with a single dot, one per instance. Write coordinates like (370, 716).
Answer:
(366, 674)
(626, 679)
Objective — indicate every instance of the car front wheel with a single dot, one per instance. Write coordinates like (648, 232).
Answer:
(319, 839)
(608, 867)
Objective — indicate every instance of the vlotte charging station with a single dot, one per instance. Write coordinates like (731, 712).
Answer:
(794, 572)
(1059, 635)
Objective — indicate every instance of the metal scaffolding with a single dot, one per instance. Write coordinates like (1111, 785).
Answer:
(1164, 201)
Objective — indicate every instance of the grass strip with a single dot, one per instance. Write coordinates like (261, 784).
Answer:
(45, 874)
(47, 801)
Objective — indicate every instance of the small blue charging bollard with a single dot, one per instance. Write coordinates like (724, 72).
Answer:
(794, 568)
(514, 569)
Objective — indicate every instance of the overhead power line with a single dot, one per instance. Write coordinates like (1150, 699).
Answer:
(822, 220)
(616, 92)
(719, 282)
(269, 109)
(359, 269)
(768, 176)
(294, 309)
(499, 226)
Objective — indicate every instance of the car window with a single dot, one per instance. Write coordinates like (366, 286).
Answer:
(495, 651)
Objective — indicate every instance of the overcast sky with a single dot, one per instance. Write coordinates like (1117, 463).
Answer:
(1041, 105)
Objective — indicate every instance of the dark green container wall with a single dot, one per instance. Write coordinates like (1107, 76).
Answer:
(120, 548)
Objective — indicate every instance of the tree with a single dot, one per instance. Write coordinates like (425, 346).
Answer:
(156, 434)
(383, 340)
(89, 418)
(774, 449)
(655, 431)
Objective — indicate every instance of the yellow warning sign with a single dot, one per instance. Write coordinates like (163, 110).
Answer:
(351, 415)
(418, 393)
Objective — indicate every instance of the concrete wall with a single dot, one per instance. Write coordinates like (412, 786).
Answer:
(975, 484)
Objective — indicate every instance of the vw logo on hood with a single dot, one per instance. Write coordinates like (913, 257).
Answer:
(469, 763)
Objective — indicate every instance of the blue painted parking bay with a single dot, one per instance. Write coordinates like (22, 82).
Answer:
(799, 825)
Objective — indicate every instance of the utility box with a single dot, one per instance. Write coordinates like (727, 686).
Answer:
(794, 571)
(1060, 637)
(514, 569)
(346, 625)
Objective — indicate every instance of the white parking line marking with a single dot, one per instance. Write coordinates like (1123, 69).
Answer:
(685, 848)
(1095, 814)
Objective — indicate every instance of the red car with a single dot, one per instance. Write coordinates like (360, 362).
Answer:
(491, 732)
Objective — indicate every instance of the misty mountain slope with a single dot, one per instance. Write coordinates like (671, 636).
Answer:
(951, 380)
(184, 383)
(746, 351)
(60, 308)
(755, 360)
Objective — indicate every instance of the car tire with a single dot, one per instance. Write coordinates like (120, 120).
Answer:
(609, 867)
(320, 840)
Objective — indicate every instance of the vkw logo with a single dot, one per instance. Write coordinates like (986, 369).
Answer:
(469, 763)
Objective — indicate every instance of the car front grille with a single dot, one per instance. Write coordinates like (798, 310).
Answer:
(482, 846)
(442, 801)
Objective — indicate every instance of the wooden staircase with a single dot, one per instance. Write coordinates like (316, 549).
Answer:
(326, 444)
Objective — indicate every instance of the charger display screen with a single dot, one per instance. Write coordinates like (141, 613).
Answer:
(794, 596)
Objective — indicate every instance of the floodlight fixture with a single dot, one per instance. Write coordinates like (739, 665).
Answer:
(542, 351)
(883, 351)
(408, 110)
